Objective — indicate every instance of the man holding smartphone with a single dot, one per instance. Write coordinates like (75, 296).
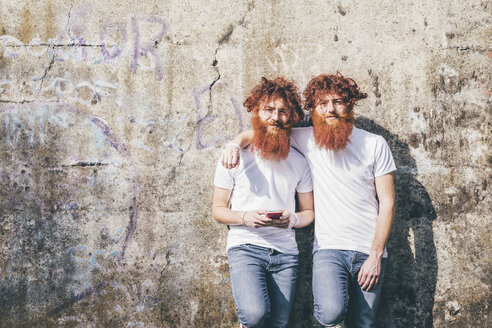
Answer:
(257, 201)
(352, 171)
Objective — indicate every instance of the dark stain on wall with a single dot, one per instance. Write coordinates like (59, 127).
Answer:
(37, 268)
(410, 282)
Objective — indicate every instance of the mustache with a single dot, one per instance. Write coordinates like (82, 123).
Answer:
(279, 125)
(342, 117)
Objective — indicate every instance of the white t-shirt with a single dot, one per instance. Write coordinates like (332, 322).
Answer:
(259, 184)
(345, 200)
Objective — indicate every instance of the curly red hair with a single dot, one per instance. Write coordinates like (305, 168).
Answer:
(280, 87)
(332, 83)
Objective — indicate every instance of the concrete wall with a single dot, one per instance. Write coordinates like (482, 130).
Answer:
(112, 116)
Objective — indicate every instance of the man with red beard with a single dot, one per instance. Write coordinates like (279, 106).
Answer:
(257, 201)
(352, 173)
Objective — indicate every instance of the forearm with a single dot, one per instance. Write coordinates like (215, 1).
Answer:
(244, 139)
(383, 229)
(304, 218)
(227, 216)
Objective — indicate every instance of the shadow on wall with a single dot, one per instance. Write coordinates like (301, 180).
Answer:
(411, 273)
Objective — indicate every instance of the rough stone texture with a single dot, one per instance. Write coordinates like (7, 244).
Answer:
(112, 117)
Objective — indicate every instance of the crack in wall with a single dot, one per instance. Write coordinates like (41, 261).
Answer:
(168, 261)
(224, 39)
(46, 73)
(59, 45)
(17, 102)
(468, 48)
(227, 35)
(170, 177)
(68, 21)
(84, 164)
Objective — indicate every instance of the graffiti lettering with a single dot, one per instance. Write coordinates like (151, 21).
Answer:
(147, 49)
(208, 118)
(78, 49)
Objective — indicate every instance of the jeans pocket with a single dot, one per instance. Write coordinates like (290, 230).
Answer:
(360, 258)
(238, 255)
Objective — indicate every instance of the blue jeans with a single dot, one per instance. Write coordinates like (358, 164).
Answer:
(263, 284)
(337, 294)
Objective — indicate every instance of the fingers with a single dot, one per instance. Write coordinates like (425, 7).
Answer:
(370, 283)
(229, 160)
(367, 281)
(230, 157)
(225, 157)
(222, 158)
(256, 219)
(376, 281)
(234, 160)
(362, 279)
(368, 276)
(263, 220)
(280, 223)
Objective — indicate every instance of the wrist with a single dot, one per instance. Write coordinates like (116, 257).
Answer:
(242, 218)
(296, 220)
(234, 145)
(377, 252)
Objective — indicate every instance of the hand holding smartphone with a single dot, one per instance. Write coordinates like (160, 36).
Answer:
(274, 215)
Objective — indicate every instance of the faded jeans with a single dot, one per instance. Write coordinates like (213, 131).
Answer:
(263, 284)
(337, 294)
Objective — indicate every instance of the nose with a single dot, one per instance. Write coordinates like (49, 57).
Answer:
(274, 115)
(330, 108)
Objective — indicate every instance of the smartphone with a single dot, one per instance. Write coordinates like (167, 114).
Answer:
(274, 214)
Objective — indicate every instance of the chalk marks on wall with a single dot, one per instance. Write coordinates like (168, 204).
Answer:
(203, 119)
(119, 298)
(146, 48)
(41, 125)
(86, 323)
(285, 59)
(61, 89)
(31, 125)
(115, 43)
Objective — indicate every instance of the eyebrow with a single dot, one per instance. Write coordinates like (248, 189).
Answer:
(270, 107)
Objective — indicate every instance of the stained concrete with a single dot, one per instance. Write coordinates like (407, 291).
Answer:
(112, 116)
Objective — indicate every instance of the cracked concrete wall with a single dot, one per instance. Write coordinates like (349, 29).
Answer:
(112, 116)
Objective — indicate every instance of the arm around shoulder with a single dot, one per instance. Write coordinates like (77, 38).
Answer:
(230, 154)
(244, 139)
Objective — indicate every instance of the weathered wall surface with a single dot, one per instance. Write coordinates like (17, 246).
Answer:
(112, 117)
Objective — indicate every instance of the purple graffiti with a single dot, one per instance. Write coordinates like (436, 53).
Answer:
(121, 28)
(79, 49)
(132, 223)
(200, 120)
(141, 49)
(239, 113)
(210, 117)
(66, 202)
(80, 44)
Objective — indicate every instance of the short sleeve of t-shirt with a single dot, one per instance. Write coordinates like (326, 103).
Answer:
(384, 162)
(224, 178)
(299, 138)
(306, 183)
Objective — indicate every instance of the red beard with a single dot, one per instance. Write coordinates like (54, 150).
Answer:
(270, 145)
(332, 136)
